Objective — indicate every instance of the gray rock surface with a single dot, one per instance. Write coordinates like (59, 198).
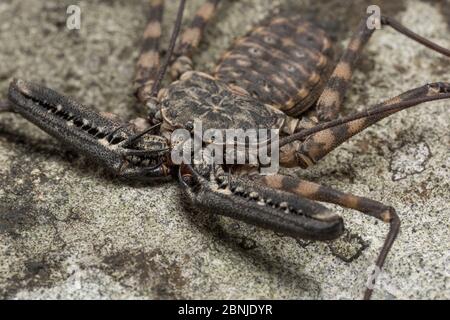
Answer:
(68, 230)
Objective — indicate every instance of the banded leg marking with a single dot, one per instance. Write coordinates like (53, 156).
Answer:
(320, 143)
(191, 37)
(330, 101)
(316, 192)
(149, 60)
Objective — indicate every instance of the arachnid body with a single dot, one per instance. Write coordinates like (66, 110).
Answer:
(268, 80)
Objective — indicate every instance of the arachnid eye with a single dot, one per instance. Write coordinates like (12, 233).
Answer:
(189, 126)
(254, 51)
(269, 39)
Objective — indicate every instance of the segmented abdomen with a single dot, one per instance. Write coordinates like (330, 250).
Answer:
(284, 64)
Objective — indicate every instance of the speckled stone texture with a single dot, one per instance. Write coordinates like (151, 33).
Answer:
(68, 230)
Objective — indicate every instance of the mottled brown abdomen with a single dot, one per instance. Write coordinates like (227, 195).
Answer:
(284, 64)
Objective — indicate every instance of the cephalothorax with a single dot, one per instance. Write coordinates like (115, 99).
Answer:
(280, 76)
